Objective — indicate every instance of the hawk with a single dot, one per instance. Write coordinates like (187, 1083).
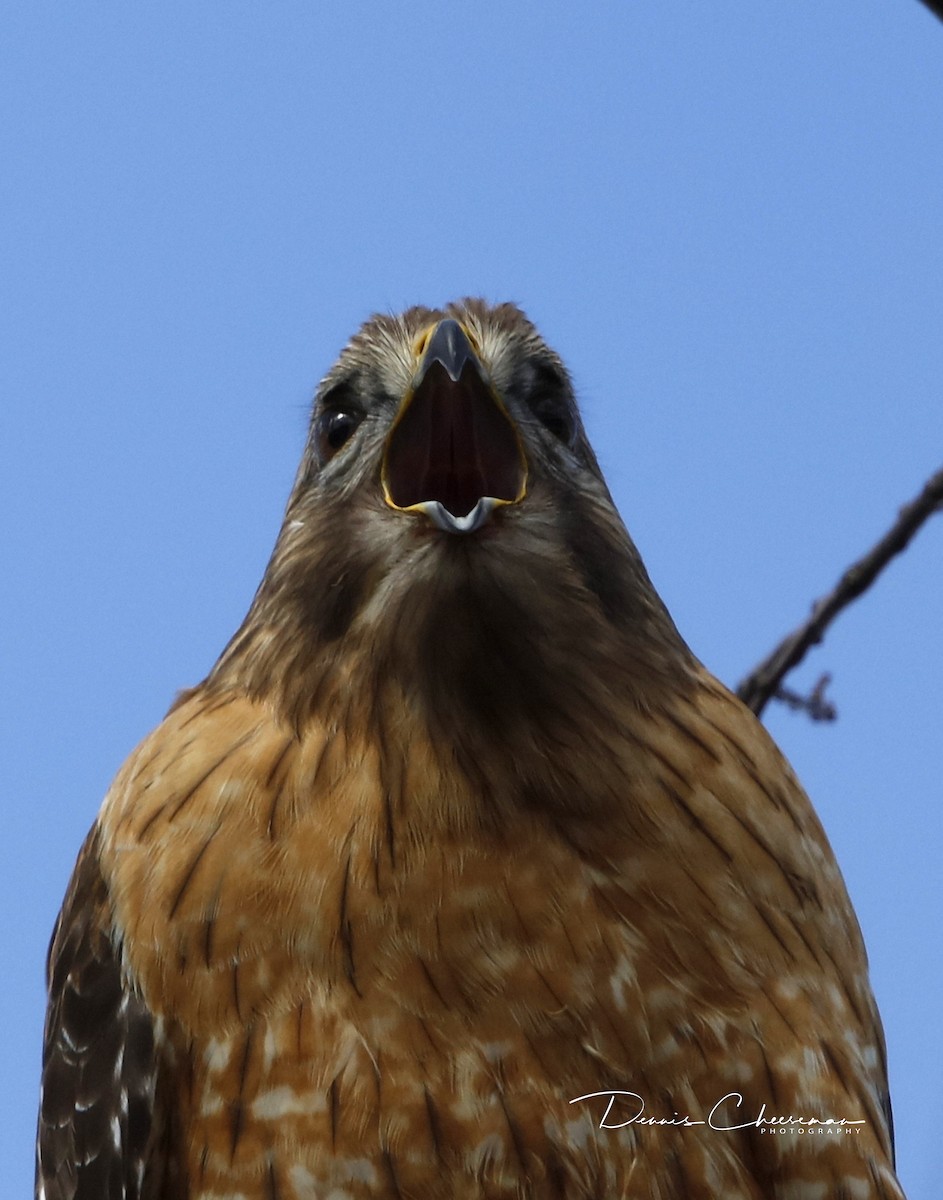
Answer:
(459, 876)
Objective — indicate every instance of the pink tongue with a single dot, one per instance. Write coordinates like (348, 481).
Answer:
(453, 444)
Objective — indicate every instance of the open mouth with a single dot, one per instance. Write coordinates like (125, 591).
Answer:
(453, 453)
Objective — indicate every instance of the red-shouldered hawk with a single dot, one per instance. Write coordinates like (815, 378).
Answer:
(458, 877)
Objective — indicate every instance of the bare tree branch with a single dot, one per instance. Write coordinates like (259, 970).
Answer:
(765, 680)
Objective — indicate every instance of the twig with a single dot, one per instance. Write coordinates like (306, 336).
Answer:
(762, 683)
(816, 705)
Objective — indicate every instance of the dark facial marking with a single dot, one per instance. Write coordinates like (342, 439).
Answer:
(328, 599)
(602, 566)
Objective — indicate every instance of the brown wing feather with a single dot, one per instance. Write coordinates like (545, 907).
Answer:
(99, 1057)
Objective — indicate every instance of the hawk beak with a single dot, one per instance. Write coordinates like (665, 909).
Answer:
(453, 452)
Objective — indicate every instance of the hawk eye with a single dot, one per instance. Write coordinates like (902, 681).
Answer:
(554, 413)
(556, 420)
(549, 402)
(333, 428)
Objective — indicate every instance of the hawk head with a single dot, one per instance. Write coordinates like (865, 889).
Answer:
(450, 534)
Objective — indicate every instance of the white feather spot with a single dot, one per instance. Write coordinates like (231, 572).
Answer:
(269, 1049)
(217, 1054)
(284, 1101)
(359, 1170)
(303, 1182)
(809, 1191)
(495, 1051)
(211, 1104)
(858, 1189)
(484, 1156)
(623, 980)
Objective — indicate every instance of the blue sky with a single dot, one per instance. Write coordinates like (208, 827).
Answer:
(725, 216)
